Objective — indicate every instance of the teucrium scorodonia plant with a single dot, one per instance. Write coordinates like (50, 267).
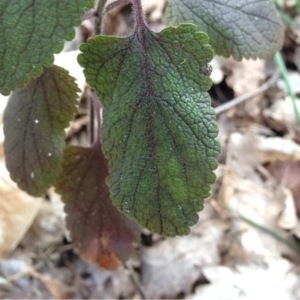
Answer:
(156, 150)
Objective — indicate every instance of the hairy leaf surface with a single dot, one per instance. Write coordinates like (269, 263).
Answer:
(30, 32)
(159, 129)
(34, 123)
(241, 28)
(99, 230)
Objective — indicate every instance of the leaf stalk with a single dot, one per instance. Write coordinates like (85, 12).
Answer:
(97, 112)
(139, 14)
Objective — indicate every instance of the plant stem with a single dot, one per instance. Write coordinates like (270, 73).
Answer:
(96, 105)
(139, 14)
(292, 245)
(284, 73)
(99, 15)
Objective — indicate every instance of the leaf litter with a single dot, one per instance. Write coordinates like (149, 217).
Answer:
(243, 246)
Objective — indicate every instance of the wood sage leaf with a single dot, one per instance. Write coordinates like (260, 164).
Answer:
(241, 28)
(34, 123)
(159, 130)
(30, 32)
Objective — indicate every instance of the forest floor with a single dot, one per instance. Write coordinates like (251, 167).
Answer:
(246, 244)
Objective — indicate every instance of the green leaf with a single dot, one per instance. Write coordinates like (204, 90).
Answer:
(34, 123)
(30, 32)
(241, 28)
(102, 234)
(158, 127)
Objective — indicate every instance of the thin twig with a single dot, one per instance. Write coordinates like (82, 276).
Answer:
(238, 100)
(135, 281)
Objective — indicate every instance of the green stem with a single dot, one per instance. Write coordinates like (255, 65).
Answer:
(284, 16)
(267, 230)
(284, 73)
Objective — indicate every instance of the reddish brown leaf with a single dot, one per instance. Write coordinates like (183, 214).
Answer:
(101, 233)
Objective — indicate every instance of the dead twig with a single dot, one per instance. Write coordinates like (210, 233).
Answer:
(238, 100)
(135, 281)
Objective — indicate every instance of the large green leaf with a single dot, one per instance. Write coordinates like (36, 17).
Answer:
(102, 234)
(34, 123)
(241, 28)
(30, 32)
(159, 129)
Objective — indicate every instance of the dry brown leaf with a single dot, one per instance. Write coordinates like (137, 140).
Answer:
(172, 266)
(57, 289)
(281, 115)
(47, 229)
(246, 76)
(256, 149)
(288, 217)
(251, 197)
(155, 9)
(270, 149)
(286, 174)
(270, 279)
(114, 22)
(17, 211)
(118, 20)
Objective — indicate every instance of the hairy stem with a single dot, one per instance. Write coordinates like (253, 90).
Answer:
(99, 15)
(139, 14)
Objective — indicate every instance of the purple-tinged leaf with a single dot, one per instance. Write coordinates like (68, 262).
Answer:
(102, 234)
(159, 129)
(34, 123)
(241, 28)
